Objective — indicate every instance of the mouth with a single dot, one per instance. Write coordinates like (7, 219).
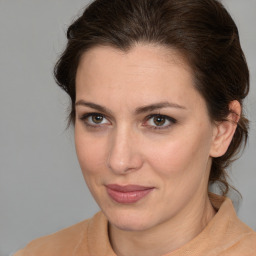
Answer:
(127, 194)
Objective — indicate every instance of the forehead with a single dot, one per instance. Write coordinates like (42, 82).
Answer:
(140, 55)
(143, 74)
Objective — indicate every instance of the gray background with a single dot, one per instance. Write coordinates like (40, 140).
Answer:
(41, 187)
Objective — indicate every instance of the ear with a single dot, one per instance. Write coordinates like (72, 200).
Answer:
(223, 131)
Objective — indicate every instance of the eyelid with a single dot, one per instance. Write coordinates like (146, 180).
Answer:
(84, 118)
(168, 118)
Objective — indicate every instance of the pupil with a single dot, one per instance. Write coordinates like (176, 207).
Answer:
(97, 119)
(159, 120)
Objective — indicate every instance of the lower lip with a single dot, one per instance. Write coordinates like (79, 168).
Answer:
(128, 197)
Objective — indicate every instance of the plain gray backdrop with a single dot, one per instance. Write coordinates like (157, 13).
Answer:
(41, 187)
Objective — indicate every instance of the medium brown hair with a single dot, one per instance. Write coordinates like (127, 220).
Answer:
(201, 30)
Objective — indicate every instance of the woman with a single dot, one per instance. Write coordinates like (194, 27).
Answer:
(157, 90)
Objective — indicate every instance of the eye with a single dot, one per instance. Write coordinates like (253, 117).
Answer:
(94, 119)
(159, 121)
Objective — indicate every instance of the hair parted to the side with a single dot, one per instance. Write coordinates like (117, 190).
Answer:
(201, 30)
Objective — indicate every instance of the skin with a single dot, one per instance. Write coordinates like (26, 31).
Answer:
(128, 147)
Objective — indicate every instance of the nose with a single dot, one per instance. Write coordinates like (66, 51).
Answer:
(124, 154)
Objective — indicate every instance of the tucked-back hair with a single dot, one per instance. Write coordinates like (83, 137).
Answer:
(201, 30)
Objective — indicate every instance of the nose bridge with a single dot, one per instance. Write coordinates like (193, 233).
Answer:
(124, 152)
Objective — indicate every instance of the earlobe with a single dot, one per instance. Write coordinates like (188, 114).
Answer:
(224, 131)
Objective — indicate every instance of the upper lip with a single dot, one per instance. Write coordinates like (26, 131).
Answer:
(127, 188)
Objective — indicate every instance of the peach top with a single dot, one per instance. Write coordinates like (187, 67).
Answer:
(225, 235)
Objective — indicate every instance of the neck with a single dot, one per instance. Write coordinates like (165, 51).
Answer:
(167, 236)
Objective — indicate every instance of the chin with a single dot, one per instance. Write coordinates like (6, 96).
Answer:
(129, 220)
(129, 225)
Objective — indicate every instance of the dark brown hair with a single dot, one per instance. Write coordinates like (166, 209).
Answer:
(201, 30)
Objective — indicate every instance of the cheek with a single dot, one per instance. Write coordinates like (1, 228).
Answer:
(180, 168)
(179, 155)
(90, 153)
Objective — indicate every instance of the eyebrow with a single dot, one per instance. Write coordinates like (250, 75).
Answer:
(139, 110)
(156, 106)
(94, 106)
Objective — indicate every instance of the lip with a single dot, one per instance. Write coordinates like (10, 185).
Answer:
(127, 194)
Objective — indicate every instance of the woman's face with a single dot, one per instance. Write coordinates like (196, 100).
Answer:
(143, 135)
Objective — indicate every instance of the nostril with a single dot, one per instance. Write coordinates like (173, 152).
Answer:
(125, 162)
(124, 154)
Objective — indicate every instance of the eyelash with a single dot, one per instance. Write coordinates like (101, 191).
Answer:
(172, 121)
(167, 118)
(84, 118)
